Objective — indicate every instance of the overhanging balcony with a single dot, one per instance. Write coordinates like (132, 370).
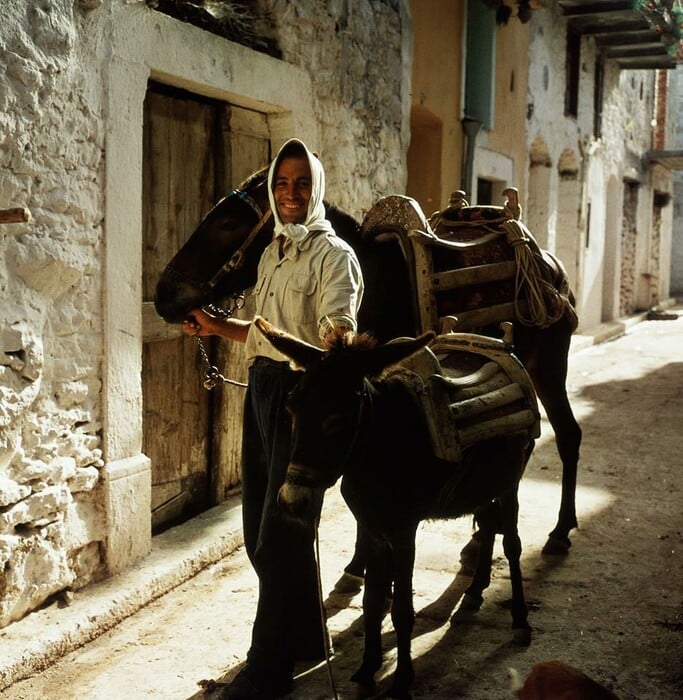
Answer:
(624, 34)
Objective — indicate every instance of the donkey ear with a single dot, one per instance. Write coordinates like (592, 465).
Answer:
(302, 354)
(394, 351)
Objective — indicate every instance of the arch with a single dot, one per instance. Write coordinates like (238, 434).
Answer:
(424, 158)
(568, 164)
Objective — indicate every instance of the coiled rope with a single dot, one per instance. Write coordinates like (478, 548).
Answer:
(545, 304)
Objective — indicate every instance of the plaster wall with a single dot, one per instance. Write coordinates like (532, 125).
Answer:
(436, 96)
(508, 136)
(74, 485)
(592, 248)
(613, 155)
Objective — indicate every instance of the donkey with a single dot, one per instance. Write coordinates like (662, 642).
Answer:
(350, 422)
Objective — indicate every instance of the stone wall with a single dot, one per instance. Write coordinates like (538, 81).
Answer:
(51, 160)
(358, 55)
(615, 154)
(74, 491)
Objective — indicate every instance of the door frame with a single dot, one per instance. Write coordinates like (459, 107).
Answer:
(145, 45)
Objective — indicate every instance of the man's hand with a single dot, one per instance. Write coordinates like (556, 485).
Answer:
(200, 323)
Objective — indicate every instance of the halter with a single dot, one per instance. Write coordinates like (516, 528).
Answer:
(212, 375)
(236, 260)
(301, 476)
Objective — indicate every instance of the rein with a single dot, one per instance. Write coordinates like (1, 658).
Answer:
(323, 617)
(236, 260)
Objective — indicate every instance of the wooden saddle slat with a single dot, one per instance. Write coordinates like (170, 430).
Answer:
(474, 265)
(478, 274)
(492, 400)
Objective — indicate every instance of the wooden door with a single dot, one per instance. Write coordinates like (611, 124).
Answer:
(247, 141)
(192, 156)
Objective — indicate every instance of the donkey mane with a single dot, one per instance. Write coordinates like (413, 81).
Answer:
(340, 339)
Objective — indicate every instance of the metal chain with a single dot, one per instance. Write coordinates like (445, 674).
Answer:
(212, 375)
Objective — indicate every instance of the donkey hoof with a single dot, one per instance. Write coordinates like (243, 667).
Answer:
(469, 605)
(348, 583)
(556, 546)
(364, 688)
(521, 636)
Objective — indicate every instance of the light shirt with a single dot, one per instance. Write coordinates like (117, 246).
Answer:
(317, 283)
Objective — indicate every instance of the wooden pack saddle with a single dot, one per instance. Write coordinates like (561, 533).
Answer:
(471, 388)
(471, 267)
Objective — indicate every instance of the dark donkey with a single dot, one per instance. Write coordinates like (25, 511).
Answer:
(373, 432)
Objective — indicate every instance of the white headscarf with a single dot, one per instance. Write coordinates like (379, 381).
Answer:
(315, 219)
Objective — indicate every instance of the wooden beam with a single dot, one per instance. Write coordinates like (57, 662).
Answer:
(18, 215)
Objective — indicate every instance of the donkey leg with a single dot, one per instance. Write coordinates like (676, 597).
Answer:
(373, 612)
(512, 547)
(403, 615)
(469, 554)
(352, 579)
(568, 441)
(549, 377)
(473, 598)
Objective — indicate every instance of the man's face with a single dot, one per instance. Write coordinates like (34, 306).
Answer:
(292, 189)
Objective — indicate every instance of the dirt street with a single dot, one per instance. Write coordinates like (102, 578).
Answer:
(613, 607)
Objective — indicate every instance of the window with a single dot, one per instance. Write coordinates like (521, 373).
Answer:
(480, 63)
(571, 95)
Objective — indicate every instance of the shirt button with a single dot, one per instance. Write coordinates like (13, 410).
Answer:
(271, 294)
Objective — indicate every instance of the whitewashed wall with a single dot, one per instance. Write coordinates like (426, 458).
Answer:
(626, 137)
(74, 486)
(52, 520)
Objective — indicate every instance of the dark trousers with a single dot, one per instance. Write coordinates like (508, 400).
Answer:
(288, 625)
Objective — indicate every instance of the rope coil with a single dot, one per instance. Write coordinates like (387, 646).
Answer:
(546, 305)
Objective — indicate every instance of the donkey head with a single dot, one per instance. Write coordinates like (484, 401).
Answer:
(329, 408)
(199, 273)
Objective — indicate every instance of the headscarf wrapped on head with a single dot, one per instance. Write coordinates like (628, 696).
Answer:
(315, 219)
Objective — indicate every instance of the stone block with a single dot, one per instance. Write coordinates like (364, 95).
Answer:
(128, 499)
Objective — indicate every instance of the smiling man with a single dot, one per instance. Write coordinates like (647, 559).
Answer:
(292, 189)
(309, 282)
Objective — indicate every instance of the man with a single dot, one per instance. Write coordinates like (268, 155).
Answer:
(309, 282)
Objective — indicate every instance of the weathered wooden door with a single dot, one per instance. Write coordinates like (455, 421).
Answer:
(195, 150)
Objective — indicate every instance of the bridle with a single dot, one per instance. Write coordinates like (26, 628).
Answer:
(236, 260)
(302, 476)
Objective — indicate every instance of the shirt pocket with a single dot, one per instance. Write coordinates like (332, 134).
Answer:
(300, 302)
